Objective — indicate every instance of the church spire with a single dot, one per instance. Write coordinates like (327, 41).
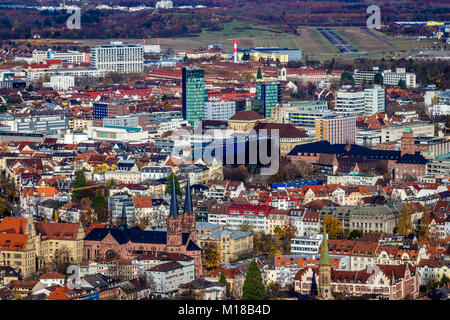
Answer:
(188, 208)
(324, 256)
(173, 201)
(124, 215)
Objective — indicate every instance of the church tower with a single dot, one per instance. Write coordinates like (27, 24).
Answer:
(324, 270)
(189, 221)
(174, 223)
(407, 142)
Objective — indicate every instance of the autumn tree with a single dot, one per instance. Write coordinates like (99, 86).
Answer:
(61, 259)
(404, 224)
(211, 255)
(425, 224)
(333, 227)
(253, 288)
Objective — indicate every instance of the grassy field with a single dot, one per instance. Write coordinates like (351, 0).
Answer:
(370, 43)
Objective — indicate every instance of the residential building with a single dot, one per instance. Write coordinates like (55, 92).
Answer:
(118, 57)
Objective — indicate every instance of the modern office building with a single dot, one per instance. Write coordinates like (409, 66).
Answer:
(118, 57)
(350, 103)
(219, 110)
(38, 122)
(283, 55)
(307, 118)
(392, 78)
(100, 111)
(336, 129)
(193, 97)
(129, 121)
(270, 94)
(374, 100)
(367, 76)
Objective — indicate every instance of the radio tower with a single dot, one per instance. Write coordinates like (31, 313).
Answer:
(235, 51)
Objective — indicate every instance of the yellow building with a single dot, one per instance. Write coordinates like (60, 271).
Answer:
(255, 55)
(18, 244)
(60, 241)
(232, 244)
(244, 121)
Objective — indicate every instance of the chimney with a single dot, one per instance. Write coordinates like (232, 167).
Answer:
(235, 51)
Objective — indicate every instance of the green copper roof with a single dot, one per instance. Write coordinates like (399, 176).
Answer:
(407, 130)
(324, 257)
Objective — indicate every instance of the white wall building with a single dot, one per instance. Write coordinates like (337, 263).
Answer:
(219, 110)
(374, 100)
(118, 57)
(392, 78)
(350, 103)
(60, 82)
(306, 246)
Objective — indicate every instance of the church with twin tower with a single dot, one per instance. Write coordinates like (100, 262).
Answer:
(124, 242)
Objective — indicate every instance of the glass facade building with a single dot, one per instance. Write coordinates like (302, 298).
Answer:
(193, 94)
(271, 94)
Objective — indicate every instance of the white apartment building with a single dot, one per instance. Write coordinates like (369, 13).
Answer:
(392, 78)
(350, 103)
(118, 57)
(76, 57)
(34, 75)
(60, 82)
(234, 222)
(166, 277)
(306, 246)
(155, 173)
(374, 100)
(219, 110)
(353, 179)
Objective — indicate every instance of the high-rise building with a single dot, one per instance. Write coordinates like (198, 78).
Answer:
(374, 100)
(193, 80)
(118, 57)
(336, 129)
(350, 103)
(270, 94)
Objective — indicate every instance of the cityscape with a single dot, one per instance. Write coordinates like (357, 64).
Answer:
(222, 150)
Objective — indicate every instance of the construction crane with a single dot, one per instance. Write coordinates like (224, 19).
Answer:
(89, 187)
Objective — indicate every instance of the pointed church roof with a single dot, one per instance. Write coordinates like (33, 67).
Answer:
(324, 257)
(173, 201)
(124, 215)
(188, 208)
